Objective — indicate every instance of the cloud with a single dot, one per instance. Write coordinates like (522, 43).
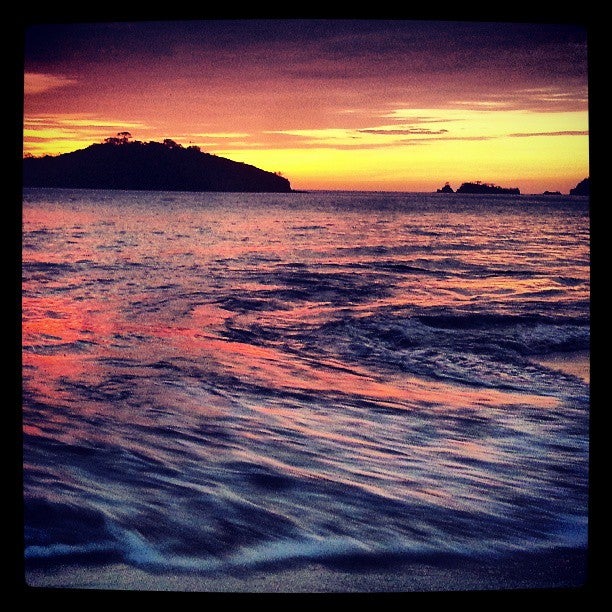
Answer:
(538, 99)
(484, 104)
(446, 138)
(79, 120)
(401, 132)
(100, 123)
(40, 82)
(407, 115)
(366, 138)
(63, 132)
(219, 135)
(559, 133)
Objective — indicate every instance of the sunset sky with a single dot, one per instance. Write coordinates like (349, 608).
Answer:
(340, 104)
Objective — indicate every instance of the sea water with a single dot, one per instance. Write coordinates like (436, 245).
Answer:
(216, 382)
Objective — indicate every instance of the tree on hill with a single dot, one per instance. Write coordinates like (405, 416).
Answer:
(121, 139)
(118, 163)
(168, 142)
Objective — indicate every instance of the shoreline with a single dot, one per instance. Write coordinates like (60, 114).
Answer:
(551, 570)
(575, 363)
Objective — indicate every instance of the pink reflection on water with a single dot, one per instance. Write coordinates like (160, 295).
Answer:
(32, 430)
(105, 326)
(271, 367)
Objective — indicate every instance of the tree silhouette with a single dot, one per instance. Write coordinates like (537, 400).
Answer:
(118, 163)
(120, 139)
(172, 144)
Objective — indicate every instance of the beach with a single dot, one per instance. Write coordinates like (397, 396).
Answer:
(577, 363)
(561, 569)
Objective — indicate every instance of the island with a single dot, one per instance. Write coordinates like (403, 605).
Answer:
(446, 189)
(552, 193)
(121, 163)
(583, 188)
(487, 188)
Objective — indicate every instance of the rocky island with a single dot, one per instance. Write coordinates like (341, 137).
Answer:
(120, 163)
(479, 188)
(487, 188)
(583, 188)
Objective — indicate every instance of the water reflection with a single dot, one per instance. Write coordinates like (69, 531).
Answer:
(345, 372)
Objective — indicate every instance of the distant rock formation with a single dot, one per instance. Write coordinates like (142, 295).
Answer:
(486, 188)
(119, 163)
(583, 188)
(552, 193)
(446, 189)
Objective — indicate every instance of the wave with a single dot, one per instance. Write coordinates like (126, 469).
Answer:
(344, 553)
(481, 349)
(213, 398)
(227, 513)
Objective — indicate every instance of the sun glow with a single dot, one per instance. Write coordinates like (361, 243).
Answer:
(537, 150)
(361, 119)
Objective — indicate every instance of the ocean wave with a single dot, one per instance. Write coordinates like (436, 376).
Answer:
(482, 349)
(483, 320)
(344, 553)
(342, 386)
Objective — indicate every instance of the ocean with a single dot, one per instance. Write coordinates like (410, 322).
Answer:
(215, 384)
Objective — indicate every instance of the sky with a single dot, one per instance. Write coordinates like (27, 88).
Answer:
(383, 105)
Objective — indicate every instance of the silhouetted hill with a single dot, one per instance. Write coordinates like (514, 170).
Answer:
(582, 188)
(487, 188)
(120, 164)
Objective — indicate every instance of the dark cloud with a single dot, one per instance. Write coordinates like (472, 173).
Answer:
(327, 64)
(326, 48)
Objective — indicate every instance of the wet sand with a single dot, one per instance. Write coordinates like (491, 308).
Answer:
(562, 569)
(574, 363)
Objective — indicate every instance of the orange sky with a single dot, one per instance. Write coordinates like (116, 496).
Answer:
(341, 104)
